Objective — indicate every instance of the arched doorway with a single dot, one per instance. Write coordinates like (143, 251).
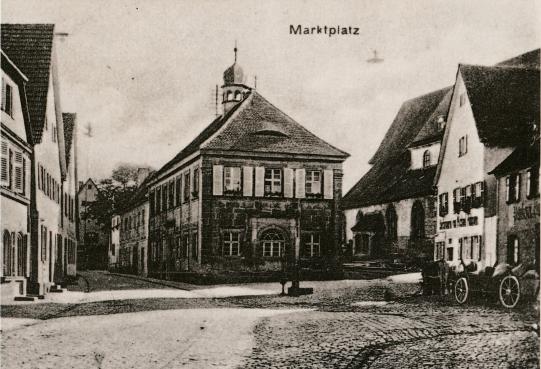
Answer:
(6, 254)
(369, 233)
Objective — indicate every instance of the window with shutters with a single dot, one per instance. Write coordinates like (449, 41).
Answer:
(478, 195)
(178, 190)
(171, 195)
(164, 196)
(195, 184)
(187, 187)
(7, 98)
(443, 204)
(232, 178)
(532, 184)
(231, 244)
(18, 170)
(158, 200)
(313, 183)
(10, 170)
(512, 187)
(311, 245)
(4, 165)
(273, 182)
(457, 202)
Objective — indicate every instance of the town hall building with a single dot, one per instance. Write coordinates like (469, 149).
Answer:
(254, 192)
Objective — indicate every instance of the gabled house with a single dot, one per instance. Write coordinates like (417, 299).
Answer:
(32, 48)
(493, 110)
(92, 252)
(391, 209)
(254, 191)
(15, 186)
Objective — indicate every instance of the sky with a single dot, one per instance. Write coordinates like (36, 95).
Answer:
(143, 73)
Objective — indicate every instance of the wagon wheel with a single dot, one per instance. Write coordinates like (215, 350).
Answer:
(509, 291)
(462, 290)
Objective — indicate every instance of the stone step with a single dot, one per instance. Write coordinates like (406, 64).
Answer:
(23, 298)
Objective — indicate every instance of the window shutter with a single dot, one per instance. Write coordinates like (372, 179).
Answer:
(288, 182)
(18, 169)
(247, 181)
(300, 180)
(4, 166)
(328, 182)
(217, 180)
(259, 181)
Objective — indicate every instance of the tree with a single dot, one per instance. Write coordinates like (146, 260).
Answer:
(125, 173)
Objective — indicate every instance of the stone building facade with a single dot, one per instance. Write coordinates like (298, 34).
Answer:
(255, 191)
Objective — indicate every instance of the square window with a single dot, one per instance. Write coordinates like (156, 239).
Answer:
(232, 181)
(273, 182)
(313, 182)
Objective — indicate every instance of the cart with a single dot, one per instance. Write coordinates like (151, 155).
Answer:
(509, 284)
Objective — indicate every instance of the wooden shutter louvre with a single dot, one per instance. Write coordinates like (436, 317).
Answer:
(328, 184)
(247, 181)
(288, 182)
(300, 180)
(18, 170)
(259, 181)
(4, 164)
(217, 180)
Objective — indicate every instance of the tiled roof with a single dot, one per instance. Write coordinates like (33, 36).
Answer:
(389, 181)
(193, 146)
(390, 177)
(249, 131)
(526, 60)
(504, 101)
(522, 157)
(432, 129)
(411, 117)
(69, 125)
(30, 47)
(252, 130)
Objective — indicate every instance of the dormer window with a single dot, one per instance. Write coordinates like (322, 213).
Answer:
(426, 159)
(440, 121)
(238, 96)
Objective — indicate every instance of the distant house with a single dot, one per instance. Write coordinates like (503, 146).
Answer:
(391, 209)
(93, 241)
(518, 206)
(31, 47)
(254, 191)
(114, 242)
(16, 163)
(133, 230)
(494, 110)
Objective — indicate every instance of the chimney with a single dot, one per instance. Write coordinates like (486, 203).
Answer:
(142, 173)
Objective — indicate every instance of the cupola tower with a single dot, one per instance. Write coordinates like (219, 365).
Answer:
(234, 89)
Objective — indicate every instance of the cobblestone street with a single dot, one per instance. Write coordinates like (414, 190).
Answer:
(344, 324)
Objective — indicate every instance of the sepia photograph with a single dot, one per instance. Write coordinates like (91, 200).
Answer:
(281, 184)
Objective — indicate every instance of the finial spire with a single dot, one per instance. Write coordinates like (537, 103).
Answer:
(235, 49)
